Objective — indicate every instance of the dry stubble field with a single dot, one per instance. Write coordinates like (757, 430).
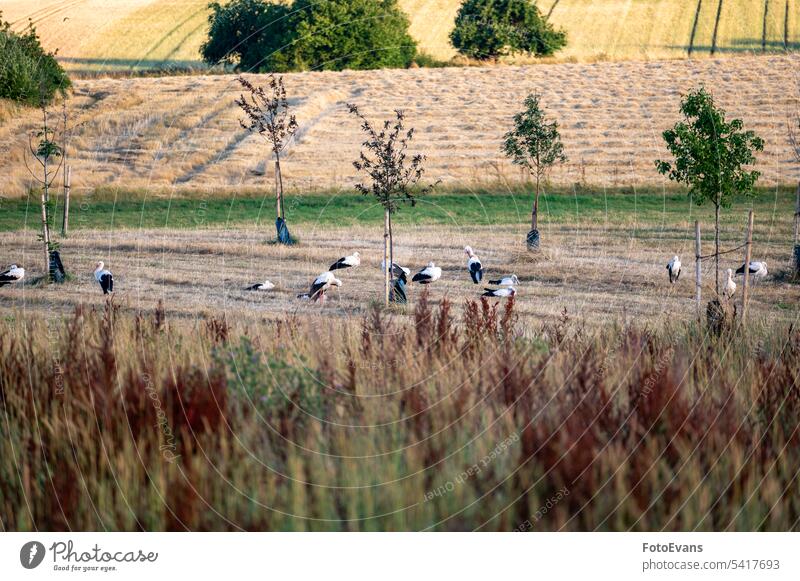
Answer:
(182, 133)
(96, 35)
(599, 272)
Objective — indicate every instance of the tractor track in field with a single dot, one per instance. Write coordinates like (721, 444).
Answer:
(48, 12)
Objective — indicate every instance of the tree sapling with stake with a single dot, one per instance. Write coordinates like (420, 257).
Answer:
(535, 144)
(710, 157)
(267, 114)
(392, 176)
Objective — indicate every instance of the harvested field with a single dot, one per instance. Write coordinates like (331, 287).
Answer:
(126, 35)
(182, 133)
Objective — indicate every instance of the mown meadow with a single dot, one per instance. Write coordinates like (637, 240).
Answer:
(109, 209)
(455, 417)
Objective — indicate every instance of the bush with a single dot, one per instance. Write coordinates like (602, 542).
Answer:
(489, 29)
(28, 74)
(332, 35)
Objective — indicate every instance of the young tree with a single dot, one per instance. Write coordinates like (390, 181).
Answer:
(267, 114)
(392, 176)
(534, 144)
(489, 29)
(710, 156)
(46, 153)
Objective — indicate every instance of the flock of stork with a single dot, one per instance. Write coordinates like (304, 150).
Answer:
(758, 270)
(327, 280)
(430, 274)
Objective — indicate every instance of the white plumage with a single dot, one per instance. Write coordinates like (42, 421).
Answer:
(346, 262)
(757, 269)
(473, 265)
(399, 272)
(508, 280)
(429, 274)
(730, 286)
(104, 277)
(13, 274)
(500, 292)
(261, 286)
(321, 285)
(674, 269)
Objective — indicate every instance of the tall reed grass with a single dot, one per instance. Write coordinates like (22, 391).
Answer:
(455, 419)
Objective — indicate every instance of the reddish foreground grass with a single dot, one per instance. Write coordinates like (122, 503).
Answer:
(109, 421)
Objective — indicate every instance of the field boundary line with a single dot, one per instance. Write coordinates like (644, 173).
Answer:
(716, 28)
(764, 27)
(694, 26)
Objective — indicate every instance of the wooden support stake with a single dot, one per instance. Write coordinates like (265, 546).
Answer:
(67, 187)
(698, 271)
(796, 248)
(278, 192)
(747, 254)
(386, 256)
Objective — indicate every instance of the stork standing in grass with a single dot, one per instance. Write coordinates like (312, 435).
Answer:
(350, 261)
(758, 270)
(104, 277)
(474, 265)
(429, 274)
(321, 285)
(674, 269)
(13, 274)
(730, 287)
(398, 272)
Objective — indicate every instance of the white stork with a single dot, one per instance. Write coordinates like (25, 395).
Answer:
(104, 277)
(730, 287)
(757, 269)
(474, 265)
(674, 269)
(13, 274)
(261, 286)
(427, 275)
(321, 285)
(508, 280)
(346, 262)
(500, 293)
(398, 272)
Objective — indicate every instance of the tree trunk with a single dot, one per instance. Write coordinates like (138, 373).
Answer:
(386, 256)
(45, 233)
(278, 188)
(716, 247)
(391, 251)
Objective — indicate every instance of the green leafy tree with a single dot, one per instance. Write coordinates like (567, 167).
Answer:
(710, 156)
(28, 74)
(307, 34)
(535, 144)
(248, 34)
(393, 177)
(489, 29)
